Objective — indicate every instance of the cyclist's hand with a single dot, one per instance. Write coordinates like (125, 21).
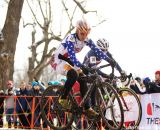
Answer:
(84, 69)
(123, 75)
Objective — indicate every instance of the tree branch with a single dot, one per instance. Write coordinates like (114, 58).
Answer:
(34, 15)
(81, 7)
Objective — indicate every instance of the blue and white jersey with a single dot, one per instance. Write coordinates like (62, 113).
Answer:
(72, 45)
(98, 60)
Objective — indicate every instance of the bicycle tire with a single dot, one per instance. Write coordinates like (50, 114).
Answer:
(106, 105)
(136, 102)
(58, 118)
(82, 123)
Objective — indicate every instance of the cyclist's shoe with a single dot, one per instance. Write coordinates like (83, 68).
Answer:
(105, 97)
(91, 113)
(64, 103)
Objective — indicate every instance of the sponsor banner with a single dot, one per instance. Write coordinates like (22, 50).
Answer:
(150, 112)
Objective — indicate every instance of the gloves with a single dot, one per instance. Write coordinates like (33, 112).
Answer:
(123, 73)
(65, 59)
(84, 69)
(123, 76)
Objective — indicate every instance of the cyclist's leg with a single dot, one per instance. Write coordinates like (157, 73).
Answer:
(71, 79)
(67, 70)
(72, 75)
(83, 90)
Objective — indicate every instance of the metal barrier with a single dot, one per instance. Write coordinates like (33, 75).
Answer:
(24, 114)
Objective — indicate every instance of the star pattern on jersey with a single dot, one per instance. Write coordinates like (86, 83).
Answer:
(90, 43)
(72, 54)
(100, 54)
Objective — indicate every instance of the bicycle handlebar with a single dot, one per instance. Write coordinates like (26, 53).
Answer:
(126, 77)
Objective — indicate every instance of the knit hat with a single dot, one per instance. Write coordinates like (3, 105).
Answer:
(157, 72)
(146, 80)
(35, 84)
(50, 83)
(63, 80)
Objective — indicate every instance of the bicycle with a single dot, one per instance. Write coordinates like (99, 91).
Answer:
(129, 99)
(59, 118)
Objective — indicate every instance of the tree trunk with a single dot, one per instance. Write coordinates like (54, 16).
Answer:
(10, 32)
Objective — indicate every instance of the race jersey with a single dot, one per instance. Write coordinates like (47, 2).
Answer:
(72, 45)
(98, 60)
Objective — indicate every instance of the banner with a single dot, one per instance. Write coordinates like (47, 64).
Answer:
(150, 112)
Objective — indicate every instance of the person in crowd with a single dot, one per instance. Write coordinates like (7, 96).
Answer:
(138, 85)
(29, 87)
(150, 86)
(21, 105)
(65, 62)
(41, 84)
(57, 88)
(10, 104)
(154, 87)
(36, 92)
(2, 97)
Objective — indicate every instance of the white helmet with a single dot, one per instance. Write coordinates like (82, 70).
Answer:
(83, 26)
(103, 44)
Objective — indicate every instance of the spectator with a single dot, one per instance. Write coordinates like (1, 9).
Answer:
(36, 92)
(1, 107)
(154, 87)
(21, 105)
(29, 87)
(151, 86)
(157, 77)
(138, 86)
(41, 84)
(9, 104)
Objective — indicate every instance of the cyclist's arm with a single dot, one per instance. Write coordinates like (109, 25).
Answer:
(71, 54)
(117, 65)
(86, 62)
(99, 53)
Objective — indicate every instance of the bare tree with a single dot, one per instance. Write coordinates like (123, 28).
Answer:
(37, 62)
(10, 32)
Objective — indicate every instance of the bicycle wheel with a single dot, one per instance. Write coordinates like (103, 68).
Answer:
(131, 106)
(52, 113)
(111, 111)
(82, 123)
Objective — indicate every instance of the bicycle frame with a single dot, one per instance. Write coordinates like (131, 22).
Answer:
(95, 82)
(91, 86)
